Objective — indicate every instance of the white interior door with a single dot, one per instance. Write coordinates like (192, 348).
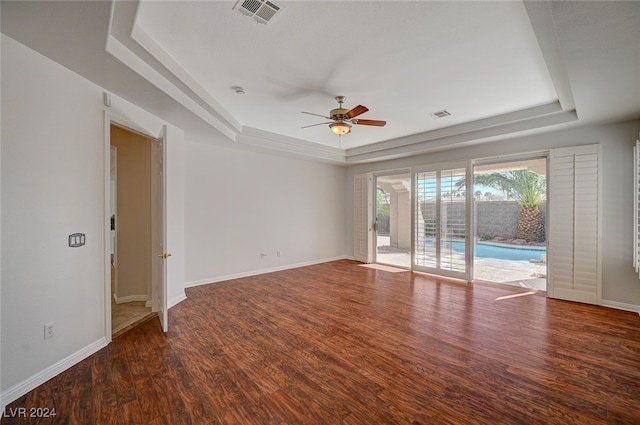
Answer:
(159, 224)
(441, 221)
(113, 208)
(574, 224)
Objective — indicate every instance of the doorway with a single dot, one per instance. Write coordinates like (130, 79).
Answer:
(393, 220)
(131, 229)
(510, 240)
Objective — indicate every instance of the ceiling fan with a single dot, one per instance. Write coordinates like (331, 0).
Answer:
(342, 119)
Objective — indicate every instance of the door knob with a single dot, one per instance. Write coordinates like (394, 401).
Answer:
(165, 255)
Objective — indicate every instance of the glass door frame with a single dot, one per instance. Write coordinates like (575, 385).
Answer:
(469, 225)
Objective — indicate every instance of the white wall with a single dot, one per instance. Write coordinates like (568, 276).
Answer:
(620, 284)
(53, 184)
(239, 204)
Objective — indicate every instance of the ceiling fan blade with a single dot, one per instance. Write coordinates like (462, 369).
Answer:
(317, 115)
(356, 111)
(376, 123)
(313, 125)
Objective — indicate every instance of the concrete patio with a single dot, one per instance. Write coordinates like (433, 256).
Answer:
(523, 274)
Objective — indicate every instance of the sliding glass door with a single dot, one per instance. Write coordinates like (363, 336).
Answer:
(441, 221)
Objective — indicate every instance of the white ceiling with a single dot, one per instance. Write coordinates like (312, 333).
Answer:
(499, 68)
(403, 60)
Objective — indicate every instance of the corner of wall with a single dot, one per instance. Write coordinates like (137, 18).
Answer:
(177, 299)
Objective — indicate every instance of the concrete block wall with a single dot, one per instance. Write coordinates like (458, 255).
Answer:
(493, 218)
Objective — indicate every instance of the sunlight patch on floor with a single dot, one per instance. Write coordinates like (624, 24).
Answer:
(506, 297)
(384, 268)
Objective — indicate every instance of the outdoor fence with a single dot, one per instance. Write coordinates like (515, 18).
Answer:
(493, 218)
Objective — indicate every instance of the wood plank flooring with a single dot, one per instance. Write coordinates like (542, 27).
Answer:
(337, 343)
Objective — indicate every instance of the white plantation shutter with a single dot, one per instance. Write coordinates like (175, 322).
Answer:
(363, 218)
(574, 224)
(441, 221)
(425, 220)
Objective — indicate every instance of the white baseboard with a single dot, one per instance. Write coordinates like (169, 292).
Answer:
(177, 299)
(43, 376)
(261, 271)
(130, 298)
(29, 384)
(621, 306)
(148, 304)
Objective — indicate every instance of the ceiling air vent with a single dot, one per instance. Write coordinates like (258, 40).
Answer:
(440, 114)
(262, 11)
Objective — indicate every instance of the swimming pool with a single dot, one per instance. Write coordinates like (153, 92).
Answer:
(500, 252)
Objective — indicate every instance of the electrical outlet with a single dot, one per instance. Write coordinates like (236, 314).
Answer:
(49, 330)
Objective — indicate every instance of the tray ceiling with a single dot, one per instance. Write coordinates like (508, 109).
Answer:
(498, 68)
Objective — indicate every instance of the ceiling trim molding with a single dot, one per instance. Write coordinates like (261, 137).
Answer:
(484, 135)
(124, 48)
(468, 127)
(131, 38)
(126, 56)
(544, 28)
(558, 112)
(163, 57)
(297, 147)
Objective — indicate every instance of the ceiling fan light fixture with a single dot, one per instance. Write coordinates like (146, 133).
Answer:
(340, 128)
(344, 118)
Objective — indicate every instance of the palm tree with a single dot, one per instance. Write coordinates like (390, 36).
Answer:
(529, 189)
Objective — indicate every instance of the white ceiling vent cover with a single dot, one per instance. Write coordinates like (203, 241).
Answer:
(263, 11)
(440, 114)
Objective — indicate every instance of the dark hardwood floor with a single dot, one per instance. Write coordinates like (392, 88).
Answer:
(337, 343)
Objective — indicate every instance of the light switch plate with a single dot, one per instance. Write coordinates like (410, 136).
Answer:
(76, 240)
